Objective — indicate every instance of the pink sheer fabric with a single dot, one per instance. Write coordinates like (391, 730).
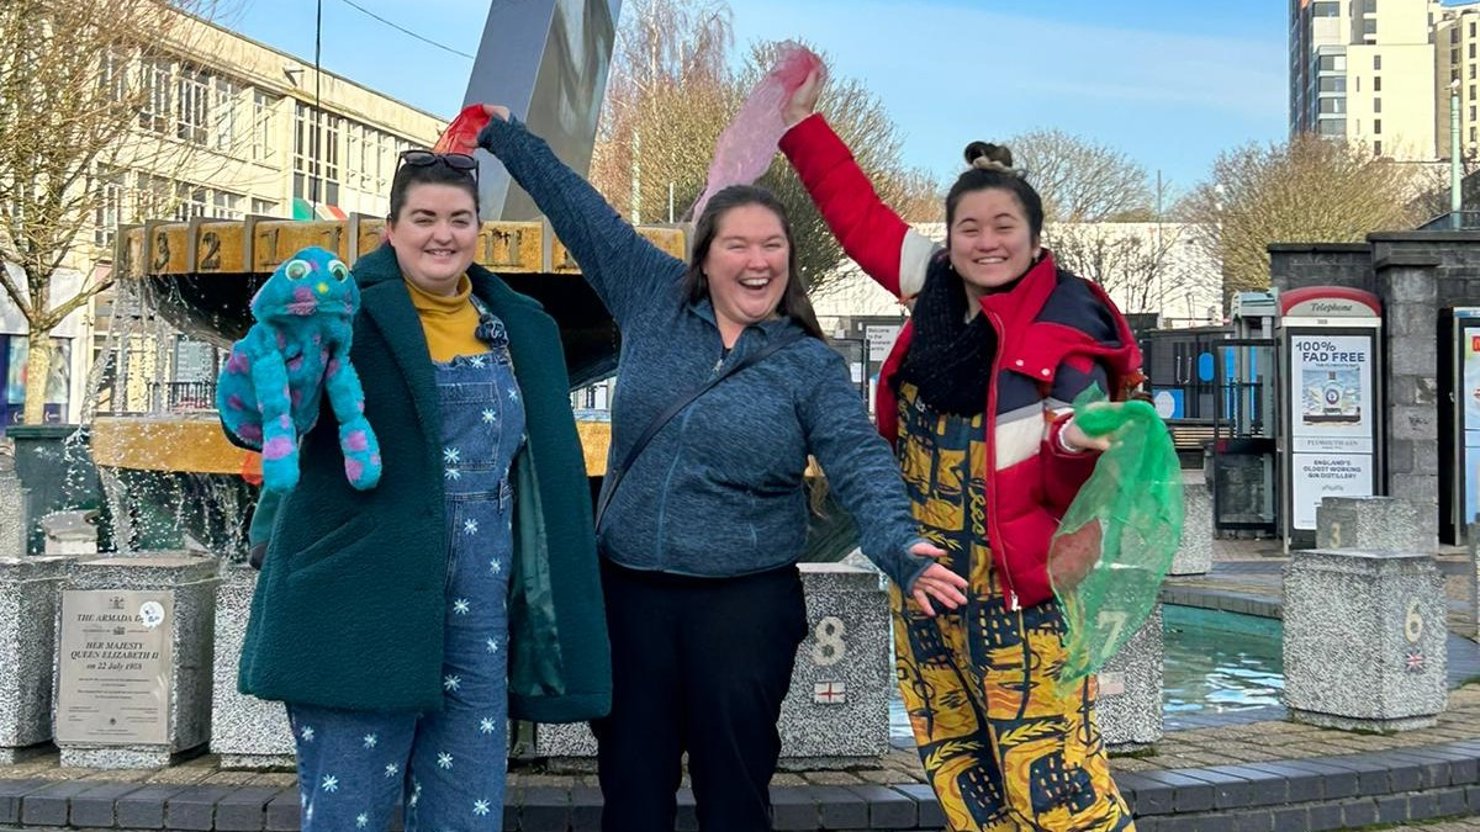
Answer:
(745, 150)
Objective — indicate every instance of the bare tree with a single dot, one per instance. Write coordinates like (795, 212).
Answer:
(669, 92)
(79, 83)
(1309, 189)
(1134, 262)
(673, 92)
(1080, 180)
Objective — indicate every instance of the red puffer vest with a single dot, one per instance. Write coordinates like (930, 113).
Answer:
(1057, 334)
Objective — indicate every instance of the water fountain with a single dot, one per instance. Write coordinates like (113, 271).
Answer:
(160, 450)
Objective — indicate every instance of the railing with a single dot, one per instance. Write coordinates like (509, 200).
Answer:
(174, 396)
(115, 398)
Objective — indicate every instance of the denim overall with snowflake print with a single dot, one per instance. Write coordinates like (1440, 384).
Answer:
(449, 766)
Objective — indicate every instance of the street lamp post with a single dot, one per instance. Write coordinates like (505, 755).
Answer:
(1455, 172)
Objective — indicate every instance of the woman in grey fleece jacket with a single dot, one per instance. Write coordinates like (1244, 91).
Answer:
(699, 544)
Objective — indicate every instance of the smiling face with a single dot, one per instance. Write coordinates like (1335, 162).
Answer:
(992, 243)
(747, 267)
(434, 235)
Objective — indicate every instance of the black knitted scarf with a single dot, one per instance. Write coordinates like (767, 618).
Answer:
(949, 359)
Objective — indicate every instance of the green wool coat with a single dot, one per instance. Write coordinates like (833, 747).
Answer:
(350, 605)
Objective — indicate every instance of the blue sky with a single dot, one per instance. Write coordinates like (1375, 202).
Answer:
(1168, 83)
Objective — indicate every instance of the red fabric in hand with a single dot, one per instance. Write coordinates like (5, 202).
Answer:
(461, 136)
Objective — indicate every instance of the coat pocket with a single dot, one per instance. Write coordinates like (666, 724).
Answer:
(341, 540)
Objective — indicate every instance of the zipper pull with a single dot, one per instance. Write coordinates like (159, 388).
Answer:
(1012, 601)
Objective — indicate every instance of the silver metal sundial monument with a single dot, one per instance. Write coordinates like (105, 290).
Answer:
(547, 61)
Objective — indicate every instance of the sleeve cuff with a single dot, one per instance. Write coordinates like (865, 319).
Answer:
(1061, 431)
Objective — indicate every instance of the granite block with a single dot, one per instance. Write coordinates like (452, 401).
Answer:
(245, 731)
(1364, 640)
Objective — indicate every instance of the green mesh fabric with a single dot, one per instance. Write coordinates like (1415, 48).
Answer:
(1117, 539)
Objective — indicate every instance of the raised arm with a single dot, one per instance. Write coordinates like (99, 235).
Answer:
(863, 475)
(624, 268)
(882, 244)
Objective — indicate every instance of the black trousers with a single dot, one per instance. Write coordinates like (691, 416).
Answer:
(698, 665)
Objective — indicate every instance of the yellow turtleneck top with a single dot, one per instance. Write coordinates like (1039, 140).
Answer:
(450, 322)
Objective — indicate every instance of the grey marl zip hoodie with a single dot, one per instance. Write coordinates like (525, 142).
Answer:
(718, 491)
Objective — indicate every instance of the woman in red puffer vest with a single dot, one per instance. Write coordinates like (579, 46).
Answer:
(975, 397)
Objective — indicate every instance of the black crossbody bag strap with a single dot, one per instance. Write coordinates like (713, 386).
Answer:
(615, 476)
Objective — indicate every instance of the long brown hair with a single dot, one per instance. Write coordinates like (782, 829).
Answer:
(794, 303)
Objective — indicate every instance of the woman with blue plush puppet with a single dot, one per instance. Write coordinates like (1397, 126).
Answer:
(403, 623)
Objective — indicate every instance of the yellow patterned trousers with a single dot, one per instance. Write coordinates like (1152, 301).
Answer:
(1002, 748)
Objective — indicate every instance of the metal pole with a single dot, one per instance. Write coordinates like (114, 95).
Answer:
(1455, 169)
(637, 176)
(315, 149)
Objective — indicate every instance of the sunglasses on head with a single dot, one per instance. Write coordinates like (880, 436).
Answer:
(457, 161)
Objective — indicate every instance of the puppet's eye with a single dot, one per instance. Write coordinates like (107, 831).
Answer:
(297, 269)
(339, 270)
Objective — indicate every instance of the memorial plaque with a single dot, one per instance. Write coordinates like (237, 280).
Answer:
(114, 660)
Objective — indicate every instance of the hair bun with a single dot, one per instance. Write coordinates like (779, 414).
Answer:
(988, 155)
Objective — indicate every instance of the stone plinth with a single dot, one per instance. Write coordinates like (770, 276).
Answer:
(1364, 640)
(14, 522)
(1370, 524)
(188, 586)
(246, 732)
(1195, 554)
(30, 588)
(1473, 536)
(838, 709)
(1129, 704)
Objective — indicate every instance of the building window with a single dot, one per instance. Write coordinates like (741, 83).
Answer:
(1376, 63)
(113, 75)
(263, 105)
(1331, 127)
(1377, 148)
(1472, 28)
(1325, 8)
(108, 211)
(264, 207)
(1333, 105)
(192, 105)
(1472, 72)
(190, 201)
(1369, 6)
(1376, 84)
(1377, 105)
(1472, 135)
(1472, 112)
(1369, 26)
(226, 206)
(155, 114)
(1331, 63)
(223, 109)
(1377, 127)
(316, 155)
(152, 197)
(1472, 51)
(1333, 83)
